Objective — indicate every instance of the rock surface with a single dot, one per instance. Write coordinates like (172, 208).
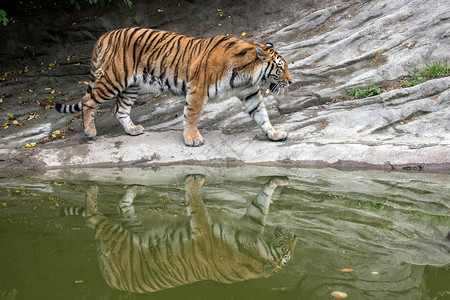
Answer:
(329, 45)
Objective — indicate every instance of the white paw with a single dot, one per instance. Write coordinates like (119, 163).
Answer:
(277, 136)
(135, 130)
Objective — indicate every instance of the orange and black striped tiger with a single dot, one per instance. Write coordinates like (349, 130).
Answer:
(138, 259)
(125, 60)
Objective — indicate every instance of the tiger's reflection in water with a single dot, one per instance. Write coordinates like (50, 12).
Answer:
(133, 258)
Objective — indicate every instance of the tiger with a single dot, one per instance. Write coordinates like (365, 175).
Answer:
(125, 60)
(135, 259)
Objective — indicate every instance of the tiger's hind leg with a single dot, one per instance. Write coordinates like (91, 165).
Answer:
(93, 99)
(125, 100)
(127, 212)
(93, 217)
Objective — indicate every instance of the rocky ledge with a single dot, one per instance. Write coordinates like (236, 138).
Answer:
(331, 47)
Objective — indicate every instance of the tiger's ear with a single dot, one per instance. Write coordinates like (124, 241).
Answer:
(270, 45)
(261, 54)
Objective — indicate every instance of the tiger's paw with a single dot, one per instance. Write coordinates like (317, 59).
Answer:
(135, 130)
(193, 139)
(277, 136)
(195, 180)
(90, 131)
(279, 181)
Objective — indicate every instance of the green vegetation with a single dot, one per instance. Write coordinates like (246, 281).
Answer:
(102, 3)
(437, 69)
(3, 17)
(361, 204)
(433, 70)
(358, 93)
(415, 76)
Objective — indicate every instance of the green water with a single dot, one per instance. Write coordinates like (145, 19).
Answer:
(368, 234)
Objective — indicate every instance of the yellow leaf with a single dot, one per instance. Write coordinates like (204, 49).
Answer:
(30, 145)
(346, 270)
(339, 295)
(267, 91)
(219, 9)
(243, 34)
(160, 10)
(15, 122)
(30, 90)
(68, 58)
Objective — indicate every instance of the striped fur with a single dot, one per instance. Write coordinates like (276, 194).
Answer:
(138, 260)
(220, 67)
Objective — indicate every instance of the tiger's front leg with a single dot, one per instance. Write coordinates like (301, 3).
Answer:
(192, 112)
(255, 107)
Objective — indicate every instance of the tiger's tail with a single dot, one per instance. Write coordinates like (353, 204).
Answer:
(69, 109)
(72, 211)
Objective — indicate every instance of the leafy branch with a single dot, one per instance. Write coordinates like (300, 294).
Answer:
(102, 3)
(3, 17)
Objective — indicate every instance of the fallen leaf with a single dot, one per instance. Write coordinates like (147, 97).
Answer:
(346, 270)
(339, 295)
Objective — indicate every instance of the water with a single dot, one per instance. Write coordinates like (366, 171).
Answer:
(368, 234)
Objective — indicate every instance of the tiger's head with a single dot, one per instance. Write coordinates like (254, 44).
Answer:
(275, 70)
(282, 251)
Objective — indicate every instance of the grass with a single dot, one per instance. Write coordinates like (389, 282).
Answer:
(370, 91)
(415, 76)
(433, 70)
(361, 204)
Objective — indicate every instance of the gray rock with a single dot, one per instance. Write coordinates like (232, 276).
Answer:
(330, 46)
